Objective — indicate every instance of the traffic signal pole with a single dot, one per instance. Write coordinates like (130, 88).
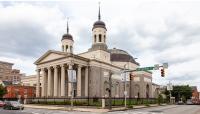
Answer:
(110, 86)
(155, 67)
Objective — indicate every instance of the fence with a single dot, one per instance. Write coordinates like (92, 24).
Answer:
(95, 101)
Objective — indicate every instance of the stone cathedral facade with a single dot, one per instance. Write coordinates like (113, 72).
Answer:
(92, 68)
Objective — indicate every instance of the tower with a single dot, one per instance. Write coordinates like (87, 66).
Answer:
(67, 42)
(99, 34)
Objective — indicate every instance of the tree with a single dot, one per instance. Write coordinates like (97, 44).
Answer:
(182, 91)
(160, 99)
(3, 91)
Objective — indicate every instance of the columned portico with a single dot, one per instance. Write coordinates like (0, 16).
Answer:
(44, 82)
(49, 82)
(38, 83)
(55, 87)
(86, 81)
(62, 80)
(79, 81)
(70, 84)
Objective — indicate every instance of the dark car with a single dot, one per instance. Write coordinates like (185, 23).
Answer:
(2, 103)
(13, 105)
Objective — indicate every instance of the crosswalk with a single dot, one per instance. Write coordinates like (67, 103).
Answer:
(43, 111)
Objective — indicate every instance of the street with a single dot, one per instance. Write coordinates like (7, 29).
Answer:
(172, 109)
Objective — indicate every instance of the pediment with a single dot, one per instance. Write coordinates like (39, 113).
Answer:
(50, 56)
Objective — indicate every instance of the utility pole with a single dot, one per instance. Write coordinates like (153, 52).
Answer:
(130, 88)
(72, 95)
(72, 80)
(125, 92)
(110, 86)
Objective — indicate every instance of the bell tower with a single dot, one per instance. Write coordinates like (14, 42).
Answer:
(67, 42)
(99, 34)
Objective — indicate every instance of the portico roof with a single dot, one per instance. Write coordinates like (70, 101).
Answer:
(53, 55)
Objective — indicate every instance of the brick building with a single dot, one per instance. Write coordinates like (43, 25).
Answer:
(14, 91)
(195, 93)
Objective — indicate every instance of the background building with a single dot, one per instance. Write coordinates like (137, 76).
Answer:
(30, 80)
(9, 74)
(5, 70)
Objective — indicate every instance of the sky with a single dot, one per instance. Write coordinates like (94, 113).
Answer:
(153, 31)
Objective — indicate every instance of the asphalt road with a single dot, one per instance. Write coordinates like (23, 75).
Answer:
(172, 109)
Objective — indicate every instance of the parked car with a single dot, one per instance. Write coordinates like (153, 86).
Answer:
(189, 102)
(11, 105)
(180, 103)
(2, 103)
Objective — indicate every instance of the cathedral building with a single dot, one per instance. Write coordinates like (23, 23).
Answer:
(92, 70)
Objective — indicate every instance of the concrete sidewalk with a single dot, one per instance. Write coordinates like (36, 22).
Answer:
(84, 108)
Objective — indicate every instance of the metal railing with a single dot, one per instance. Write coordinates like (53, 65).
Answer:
(93, 101)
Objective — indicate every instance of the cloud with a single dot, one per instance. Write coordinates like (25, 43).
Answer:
(152, 31)
(28, 40)
(27, 31)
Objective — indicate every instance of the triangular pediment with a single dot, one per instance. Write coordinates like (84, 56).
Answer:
(50, 56)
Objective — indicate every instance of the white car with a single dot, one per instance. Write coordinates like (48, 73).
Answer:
(189, 102)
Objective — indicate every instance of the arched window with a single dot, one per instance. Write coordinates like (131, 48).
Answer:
(95, 38)
(66, 47)
(71, 49)
(99, 37)
(104, 38)
(147, 91)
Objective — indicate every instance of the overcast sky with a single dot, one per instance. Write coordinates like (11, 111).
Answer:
(152, 31)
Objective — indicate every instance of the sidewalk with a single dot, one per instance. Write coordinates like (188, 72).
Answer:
(84, 108)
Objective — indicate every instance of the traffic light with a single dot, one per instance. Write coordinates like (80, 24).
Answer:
(162, 72)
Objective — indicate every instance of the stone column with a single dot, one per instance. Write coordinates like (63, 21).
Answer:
(38, 83)
(55, 87)
(70, 84)
(79, 81)
(86, 81)
(59, 84)
(43, 82)
(62, 80)
(49, 82)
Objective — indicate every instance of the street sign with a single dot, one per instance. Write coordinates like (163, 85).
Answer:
(125, 76)
(169, 87)
(145, 69)
(125, 92)
(72, 75)
(156, 67)
(165, 65)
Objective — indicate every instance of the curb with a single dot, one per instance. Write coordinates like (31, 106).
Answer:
(88, 109)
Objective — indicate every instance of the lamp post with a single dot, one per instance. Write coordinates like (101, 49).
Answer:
(125, 92)
(72, 80)
(110, 86)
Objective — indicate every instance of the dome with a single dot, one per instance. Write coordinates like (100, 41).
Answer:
(99, 24)
(67, 36)
(119, 55)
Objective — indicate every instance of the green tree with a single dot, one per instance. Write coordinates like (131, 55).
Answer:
(3, 91)
(181, 91)
(160, 99)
